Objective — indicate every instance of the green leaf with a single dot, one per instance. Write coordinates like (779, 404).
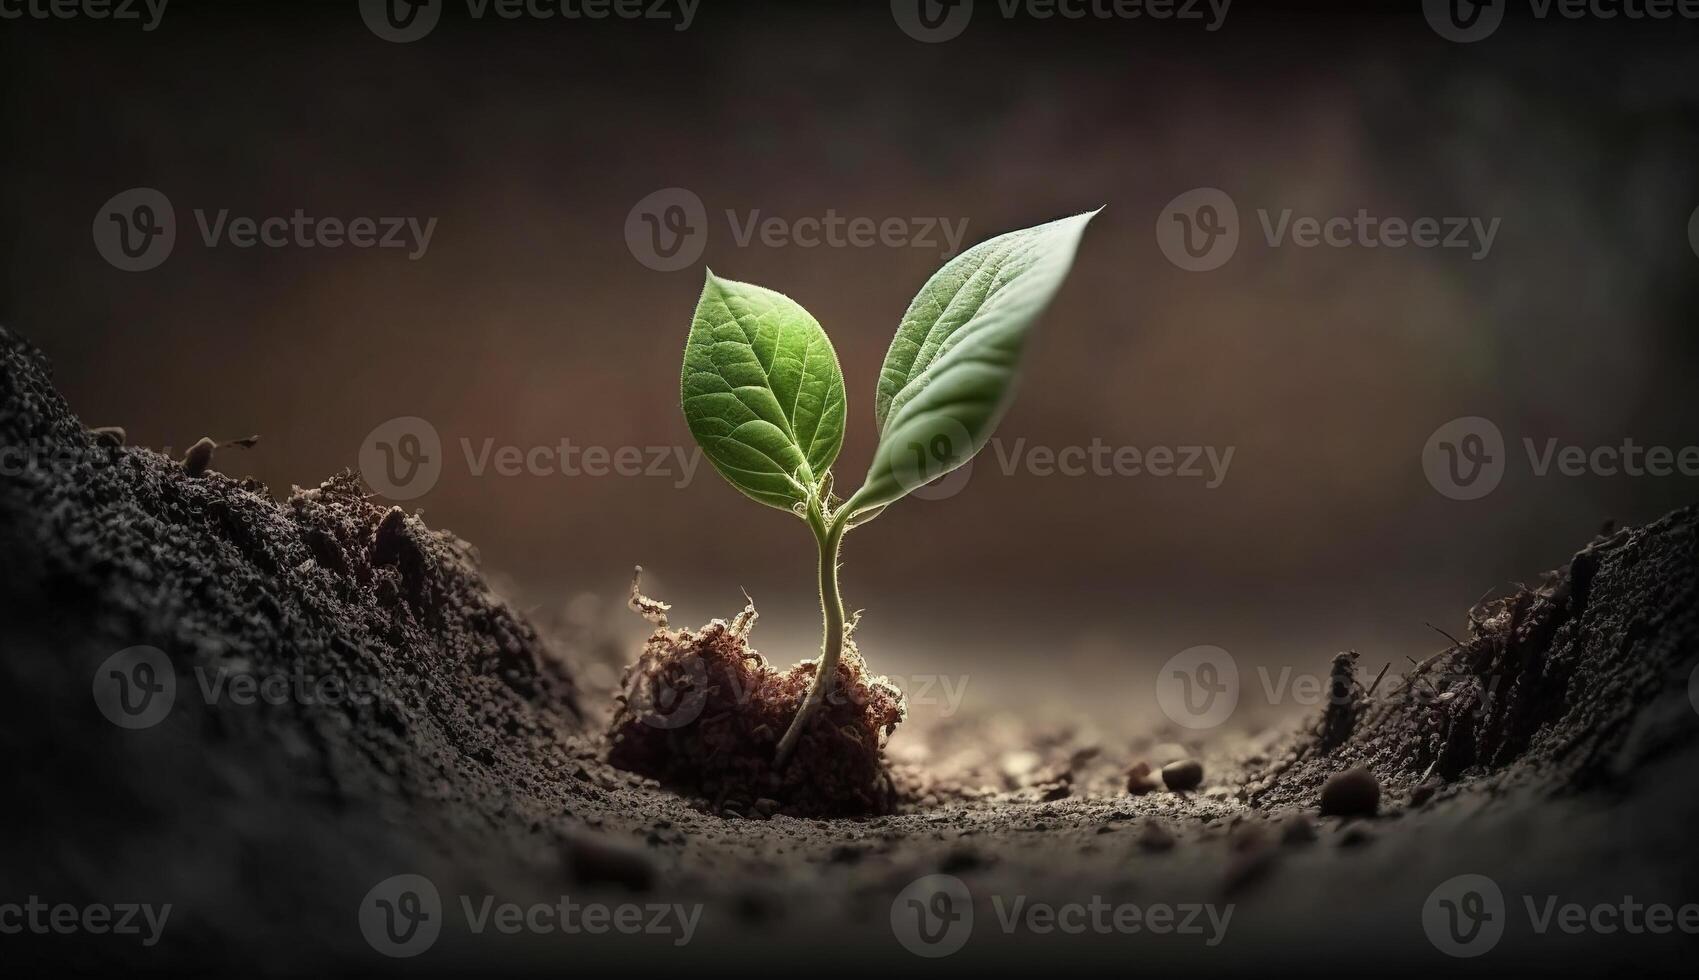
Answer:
(951, 369)
(762, 392)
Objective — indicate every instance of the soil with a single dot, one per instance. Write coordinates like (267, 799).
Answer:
(1551, 748)
(703, 712)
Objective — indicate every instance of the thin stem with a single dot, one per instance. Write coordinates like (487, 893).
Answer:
(830, 537)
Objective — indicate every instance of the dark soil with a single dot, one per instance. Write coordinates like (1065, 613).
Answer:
(1551, 686)
(1551, 748)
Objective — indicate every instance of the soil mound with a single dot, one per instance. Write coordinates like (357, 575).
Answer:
(319, 659)
(702, 711)
(1567, 683)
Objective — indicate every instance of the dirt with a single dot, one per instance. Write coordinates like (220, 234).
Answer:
(1551, 748)
(702, 712)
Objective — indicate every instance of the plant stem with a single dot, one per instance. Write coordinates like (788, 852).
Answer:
(830, 538)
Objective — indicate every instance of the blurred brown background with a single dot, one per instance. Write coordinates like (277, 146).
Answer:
(529, 320)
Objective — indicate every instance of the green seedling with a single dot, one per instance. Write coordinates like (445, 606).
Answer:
(764, 396)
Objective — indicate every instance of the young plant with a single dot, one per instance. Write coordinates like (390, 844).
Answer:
(764, 396)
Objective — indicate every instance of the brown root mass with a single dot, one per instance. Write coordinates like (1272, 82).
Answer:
(702, 712)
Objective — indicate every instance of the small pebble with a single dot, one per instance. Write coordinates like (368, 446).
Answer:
(1424, 793)
(1183, 776)
(1352, 793)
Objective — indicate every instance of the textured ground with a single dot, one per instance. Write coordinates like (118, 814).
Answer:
(1552, 748)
